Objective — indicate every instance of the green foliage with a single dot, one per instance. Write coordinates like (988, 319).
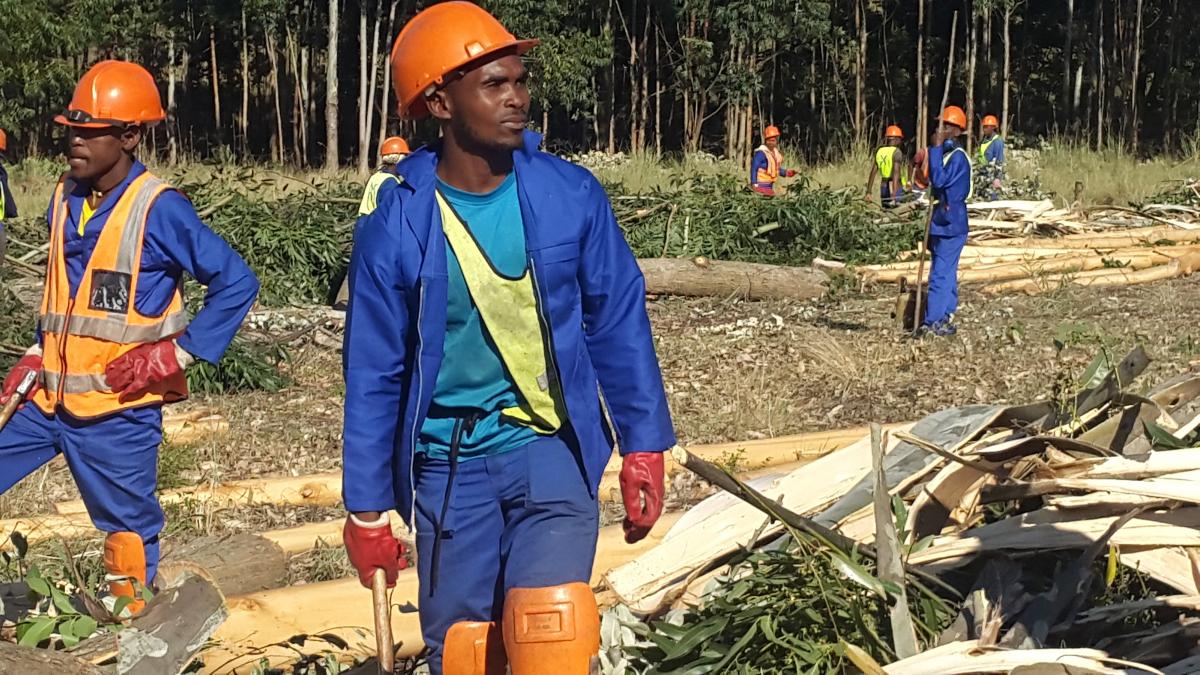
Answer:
(784, 610)
(716, 216)
(297, 243)
(246, 366)
(55, 613)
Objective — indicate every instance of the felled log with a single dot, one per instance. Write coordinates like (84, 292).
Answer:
(30, 661)
(1124, 239)
(236, 563)
(165, 637)
(1100, 278)
(259, 621)
(1053, 529)
(325, 489)
(963, 658)
(701, 277)
(1182, 487)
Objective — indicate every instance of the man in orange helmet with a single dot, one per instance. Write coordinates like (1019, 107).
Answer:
(113, 335)
(379, 184)
(949, 171)
(767, 164)
(890, 162)
(991, 155)
(492, 295)
(8, 207)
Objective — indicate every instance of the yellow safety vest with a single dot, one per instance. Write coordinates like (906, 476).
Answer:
(509, 309)
(371, 194)
(885, 158)
(983, 148)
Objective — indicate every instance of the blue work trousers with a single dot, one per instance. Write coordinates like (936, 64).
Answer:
(114, 461)
(885, 195)
(520, 519)
(943, 277)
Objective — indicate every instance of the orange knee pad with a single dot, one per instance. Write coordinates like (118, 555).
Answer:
(473, 648)
(125, 562)
(552, 631)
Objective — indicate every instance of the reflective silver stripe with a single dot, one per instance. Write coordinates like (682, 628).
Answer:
(129, 249)
(114, 330)
(75, 384)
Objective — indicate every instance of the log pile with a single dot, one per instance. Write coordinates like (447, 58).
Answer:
(1032, 247)
(1045, 496)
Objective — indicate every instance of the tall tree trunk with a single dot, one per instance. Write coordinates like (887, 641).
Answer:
(644, 110)
(611, 147)
(385, 101)
(244, 122)
(922, 107)
(215, 76)
(595, 114)
(1008, 10)
(972, 63)
(172, 124)
(860, 72)
(658, 88)
(277, 151)
(363, 92)
(1066, 84)
(1134, 79)
(1101, 84)
(331, 90)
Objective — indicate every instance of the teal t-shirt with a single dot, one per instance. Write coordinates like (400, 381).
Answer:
(472, 376)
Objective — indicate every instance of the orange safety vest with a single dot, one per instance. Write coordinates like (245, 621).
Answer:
(770, 174)
(80, 340)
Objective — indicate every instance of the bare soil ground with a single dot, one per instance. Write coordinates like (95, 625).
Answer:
(734, 371)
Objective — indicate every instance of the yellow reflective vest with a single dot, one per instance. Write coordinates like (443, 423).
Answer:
(508, 307)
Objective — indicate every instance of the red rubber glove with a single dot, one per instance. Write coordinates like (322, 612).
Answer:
(144, 368)
(791, 173)
(372, 546)
(642, 491)
(29, 362)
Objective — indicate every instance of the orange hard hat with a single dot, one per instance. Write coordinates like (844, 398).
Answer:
(439, 41)
(771, 131)
(893, 132)
(990, 121)
(954, 115)
(3, 141)
(393, 145)
(114, 94)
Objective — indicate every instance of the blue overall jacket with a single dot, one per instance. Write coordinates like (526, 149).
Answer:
(950, 178)
(591, 297)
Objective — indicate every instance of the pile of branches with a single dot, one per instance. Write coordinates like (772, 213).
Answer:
(718, 217)
(1061, 531)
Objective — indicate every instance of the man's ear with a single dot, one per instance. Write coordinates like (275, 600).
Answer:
(131, 136)
(439, 105)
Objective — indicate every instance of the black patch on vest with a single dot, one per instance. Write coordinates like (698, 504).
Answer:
(110, 291)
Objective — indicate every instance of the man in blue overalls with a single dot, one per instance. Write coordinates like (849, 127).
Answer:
(492, 296)
(950, 180)
(113, 336)
(8, 207)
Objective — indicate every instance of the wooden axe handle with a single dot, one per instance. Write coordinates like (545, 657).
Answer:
(17, 398)
(385, 648)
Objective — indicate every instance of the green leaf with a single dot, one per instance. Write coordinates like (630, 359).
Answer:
(859, 575)
(85, 625)
(1096, 371)
(40, 629)
(696, 637)
(1162, 439)
(37, 583)
(61, 601)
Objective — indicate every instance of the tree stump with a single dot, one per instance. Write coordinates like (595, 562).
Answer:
(238, 563)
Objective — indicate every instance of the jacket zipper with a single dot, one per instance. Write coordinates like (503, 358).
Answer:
(537, 294)
(62, 353)
(412, 481)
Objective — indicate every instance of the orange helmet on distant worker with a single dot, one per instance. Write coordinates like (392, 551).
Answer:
(393, 145)
(3, 141)
(771, 131)
(114, 94)
(893, 132)
(954, 115)
(439, 41)
(990, 121)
